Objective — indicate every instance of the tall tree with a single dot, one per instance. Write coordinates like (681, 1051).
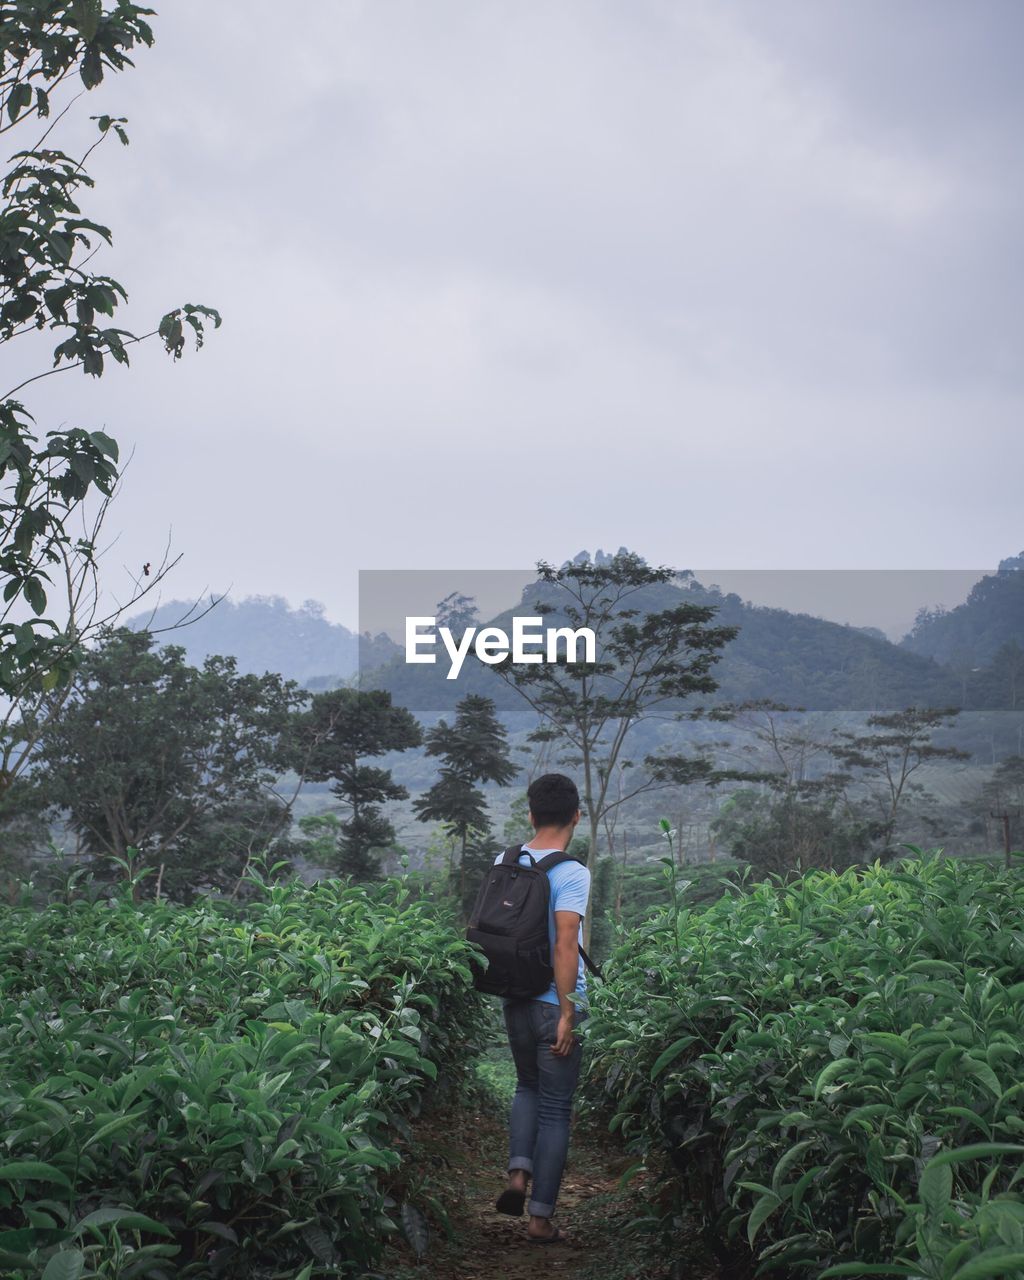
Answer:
(1002, 684)
(646, 663)
(894, 747)
(794, 827)
(1002, 802)
(777, 738)
(474, 750)
(461, 808)
(794, 820)
(457, 612)
(175, 762)
(340, 729)
(49, 48)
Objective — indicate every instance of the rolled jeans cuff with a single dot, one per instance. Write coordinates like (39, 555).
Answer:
(540, 1210)
(520, 1162)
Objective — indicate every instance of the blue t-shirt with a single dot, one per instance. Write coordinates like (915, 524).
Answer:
(570, 891)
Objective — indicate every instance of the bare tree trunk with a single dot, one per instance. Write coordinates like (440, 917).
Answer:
(238, 882)
(1005, 819)
(619, 881)
(591, 856)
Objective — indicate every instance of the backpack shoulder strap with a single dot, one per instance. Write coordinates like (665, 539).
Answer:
(511, 856)
(591, 966)
(554, 859)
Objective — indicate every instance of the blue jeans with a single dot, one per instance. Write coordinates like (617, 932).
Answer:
(542, 1103)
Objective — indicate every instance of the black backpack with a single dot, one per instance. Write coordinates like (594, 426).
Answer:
(510, 922)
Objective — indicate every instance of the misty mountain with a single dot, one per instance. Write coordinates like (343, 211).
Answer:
(264, 634)
(950, 658)
(790, 657)
(972, 634)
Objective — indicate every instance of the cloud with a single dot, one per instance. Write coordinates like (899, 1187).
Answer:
(739, 274)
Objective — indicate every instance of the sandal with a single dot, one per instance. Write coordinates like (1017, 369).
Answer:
(512, 1202)
(556, 1237)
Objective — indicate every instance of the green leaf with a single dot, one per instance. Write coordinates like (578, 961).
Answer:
(933, 966)
(874, 1161)
(787, 1161)
(935, 1189)
(20, 98)
(32, 1171)
(976, 1151)
(894, 1044)
(15, 1246)
(112, 1126)
(111, 1215)
(868, 1269)
(221, 1230)
(974, 1121)
(829, 1073)
(983, 1073)
(414, 1228)
(800, 1190)
(760, 1213)
(993, 1262)
(86, 15)
(91, 69)
(35, 595)
(627, 1177)
(66, 1265)
(319, 1243)
(671, 1052)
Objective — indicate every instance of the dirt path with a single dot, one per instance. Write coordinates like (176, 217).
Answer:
(459, 1154)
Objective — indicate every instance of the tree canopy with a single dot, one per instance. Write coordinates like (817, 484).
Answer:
(174, 762)
(49, 49)
(329, 742)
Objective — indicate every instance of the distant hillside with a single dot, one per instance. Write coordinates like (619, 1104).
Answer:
(793, 658)
(790, 657)
(264, 634)
(973, 633)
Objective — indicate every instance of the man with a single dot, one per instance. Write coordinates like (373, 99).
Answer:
(540, 1030)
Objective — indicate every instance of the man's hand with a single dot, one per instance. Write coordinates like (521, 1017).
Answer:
(564, 1038)
(566, 965)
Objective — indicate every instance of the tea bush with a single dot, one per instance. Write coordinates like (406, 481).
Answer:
(835, 1067)
(210, 1091)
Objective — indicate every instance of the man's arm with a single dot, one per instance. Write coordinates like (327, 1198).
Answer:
(566, 962)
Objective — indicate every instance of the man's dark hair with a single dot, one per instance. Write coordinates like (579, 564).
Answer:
(553, 799)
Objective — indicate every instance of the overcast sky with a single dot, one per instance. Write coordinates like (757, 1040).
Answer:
(729, 283)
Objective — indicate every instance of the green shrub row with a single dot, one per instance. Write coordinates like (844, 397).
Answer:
(211, 1091)
(835, 1067)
